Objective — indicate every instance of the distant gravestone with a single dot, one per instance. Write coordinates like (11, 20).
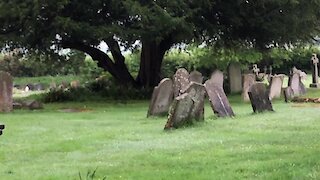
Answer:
(248, 80)
(39, 87)
(2, 126)
(196, 76)
(259, 98)
(75, 84)
(162, 98)
(6, 88)
(180, 81)
(217, 78)
(315, 71)
(235, 77)
(296, 84)
(218, 99)
(187, 107)
(275, 87)
(288, 94)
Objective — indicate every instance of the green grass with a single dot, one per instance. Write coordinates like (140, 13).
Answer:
(121, 143)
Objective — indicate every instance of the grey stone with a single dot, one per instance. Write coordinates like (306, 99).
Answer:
(259, 98)
(180, 81)
(288, 94)
(275, 87)
(315, 71)
(248, 80)
(187, 107)
(6, 90)
(196, 76)
(218, 99)
(32, 105)
(39, 87)
(162, 98)
(296, 84)
(217, 78)
(235, 77)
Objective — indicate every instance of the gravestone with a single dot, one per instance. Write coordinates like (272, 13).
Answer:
(75, 84)
(235, 77)
(39, 87)
(187, 107)
(217, 78)
(248, 80)
(2, 126)
(218, 99)
(259, 98)
(196, 76)
(296, 84)
(275, 87)
(6, 88)
(315, 71)
(288, 94)
(180, 81)
(162, 98)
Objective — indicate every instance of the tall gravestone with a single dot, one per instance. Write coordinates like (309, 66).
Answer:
(162, 98)
(218, 99)
(315, 71)
(6, 88)
(196, 76)
(296, 84)
(248, 80)
(180, 81)
(187, 107)
(259, 98)
(1, 128)
(217, 78)
(275, 87)
(235, 77)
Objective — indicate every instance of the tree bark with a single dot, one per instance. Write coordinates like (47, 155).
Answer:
(152, 54)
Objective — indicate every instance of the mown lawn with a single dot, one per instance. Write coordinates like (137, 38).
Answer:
(121, 143)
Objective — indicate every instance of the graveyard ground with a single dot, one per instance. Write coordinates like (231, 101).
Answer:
(118, 141)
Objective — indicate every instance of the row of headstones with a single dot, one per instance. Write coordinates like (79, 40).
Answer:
(184, 96)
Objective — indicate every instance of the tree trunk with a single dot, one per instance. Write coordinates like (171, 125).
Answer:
(117, 69)
(152, 54)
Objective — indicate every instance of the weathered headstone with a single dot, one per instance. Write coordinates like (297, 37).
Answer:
(2, 126)
(180, 81)
(315, 71)
(187, 107)
(218, 99)
(6, 88)
(196, 76)
(235, 77)
(248, 80)
(296, 84)
(39, 87)
(162, 98)
(217, 78)
(288, 94)
(259, 98)
(275, 86)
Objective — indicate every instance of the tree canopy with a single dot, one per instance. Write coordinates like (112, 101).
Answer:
(157, 24)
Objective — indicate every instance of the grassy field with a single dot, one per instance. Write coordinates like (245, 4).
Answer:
(121, 143)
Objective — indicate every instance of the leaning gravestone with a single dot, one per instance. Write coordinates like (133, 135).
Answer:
(275, 87)
(162, 98)
(248, 80)
(196, 76)
(259, 98)
(235, 77)
(6, 88)
(180, 81)
(218, 99)
(217, 78)
(187, 107)
(1, 128)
